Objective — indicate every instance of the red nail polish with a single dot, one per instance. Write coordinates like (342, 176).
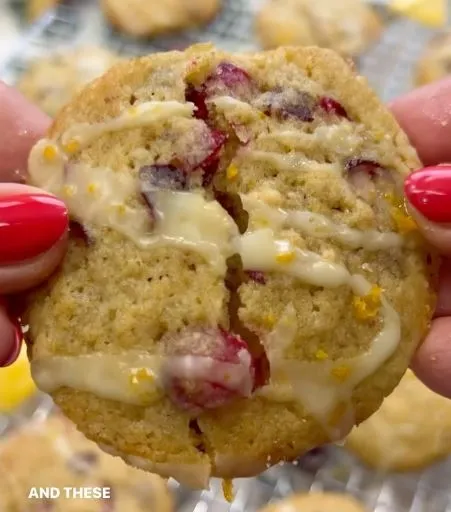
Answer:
(429, 191)
(18, 334)
(30, 225)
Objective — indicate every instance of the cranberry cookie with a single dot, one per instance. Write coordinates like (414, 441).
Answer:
(54, 454)
(410, 431)
(317, 502)
(346, 26)
(435, 63)
(243, 282)
(143, 18)
(52, 81)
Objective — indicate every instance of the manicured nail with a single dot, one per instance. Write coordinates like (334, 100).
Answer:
(30, 224)
(429, 191)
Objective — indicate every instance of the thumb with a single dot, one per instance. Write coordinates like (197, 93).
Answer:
(428, 192)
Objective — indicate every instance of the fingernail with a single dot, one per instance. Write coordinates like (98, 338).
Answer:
(30, 225)
(429, 191)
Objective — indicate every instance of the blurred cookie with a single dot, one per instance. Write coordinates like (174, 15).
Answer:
(249, 285)
(411, 430)
(54, 454)
(317, 502)
(37, 8)
(346, 26)
(435, 63)
(52, 81)
(151, 17)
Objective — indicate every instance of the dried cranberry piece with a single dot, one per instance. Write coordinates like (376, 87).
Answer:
(79, 232)
(288, 104)
(370, 167)
(257, 276)
(332, 106)
(207, 369)
(210, 164)
(166, 177)
(197, 96)
(231, 80)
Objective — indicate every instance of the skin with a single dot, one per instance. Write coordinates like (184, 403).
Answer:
(425, 115)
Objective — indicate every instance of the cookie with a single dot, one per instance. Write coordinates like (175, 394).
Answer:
(435, 62)
(348, 27)
(37, 8)
(410, 431)
(243, 282)
(143, 18)
(60, 457)
(317, 502)
(50, 82)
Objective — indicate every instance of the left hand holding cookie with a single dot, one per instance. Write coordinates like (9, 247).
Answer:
(33, 224)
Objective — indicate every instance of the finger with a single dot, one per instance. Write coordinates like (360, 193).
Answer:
(432, 362)
(425, 115)
(443, 307)
(33, 236)
(428, 192)
(10, 338)
(22, 125)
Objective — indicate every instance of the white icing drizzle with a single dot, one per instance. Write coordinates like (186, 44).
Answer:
(133, 377)
(319, 226)
(291, 162)
(187, 219)
(146, 114)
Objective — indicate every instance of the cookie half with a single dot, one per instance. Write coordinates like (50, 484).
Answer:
(143, 18)
(410, 431)
(243, 282)
(317, 502)
(60, 457)
(51, 82)
(348, 27)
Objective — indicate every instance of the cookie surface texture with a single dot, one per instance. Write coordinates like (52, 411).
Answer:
(317, 502)
(243, 283)
(59, 456)
(52, 81)
(147, 18)
(435, 63)
(348, 27)
(410, 431)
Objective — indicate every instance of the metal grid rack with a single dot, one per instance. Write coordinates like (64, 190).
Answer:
(388, 67)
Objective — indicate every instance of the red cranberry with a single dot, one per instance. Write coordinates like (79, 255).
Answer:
(288, 104)
(163, 177)
(370, 167)
(206, 369)
(332, 106)
(256, 276)
(230, 80)
(197, 96)
(79, 232)
(211, 162)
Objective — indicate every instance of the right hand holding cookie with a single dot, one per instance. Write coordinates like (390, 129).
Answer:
(33, 224)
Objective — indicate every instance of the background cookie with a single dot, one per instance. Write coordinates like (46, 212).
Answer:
(152, 338)
(346, 26)
(317, 502)
(59, 456)
(435, 63)
(411, 430)
(151, 17)
(51, 82)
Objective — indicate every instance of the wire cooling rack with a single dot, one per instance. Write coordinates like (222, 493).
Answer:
(388, 66)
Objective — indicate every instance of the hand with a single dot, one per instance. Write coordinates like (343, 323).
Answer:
(33, 224)
(425, 115)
